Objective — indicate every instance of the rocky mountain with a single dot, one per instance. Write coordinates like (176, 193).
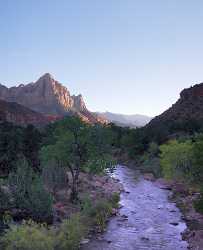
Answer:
(132, 121)
(186, 115)
(48, 96)
(20, 115)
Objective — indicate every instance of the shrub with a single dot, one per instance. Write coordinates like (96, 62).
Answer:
(33, 236)
(101, 212)
(197, 170)
(28, 236)
(176, 159)
(151, 165)
(199, 203)
(29, 194)
(115, 198)
(70, 233)
(86, 205)
(54, 177)
(4, 199)
(40, 201)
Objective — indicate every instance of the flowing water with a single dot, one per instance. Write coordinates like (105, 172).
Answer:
(147, 219)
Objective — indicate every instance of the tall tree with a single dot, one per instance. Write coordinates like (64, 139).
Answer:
(76, 146)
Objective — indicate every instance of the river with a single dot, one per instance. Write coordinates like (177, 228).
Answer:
(147, 218)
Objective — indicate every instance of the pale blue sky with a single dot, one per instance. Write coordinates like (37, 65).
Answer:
(124, 56)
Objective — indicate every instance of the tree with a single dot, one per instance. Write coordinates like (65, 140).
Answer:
(176, 159)
(76, 146)
(31, 146)
(10, 147)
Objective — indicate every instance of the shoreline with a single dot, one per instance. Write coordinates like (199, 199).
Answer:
(184, 198)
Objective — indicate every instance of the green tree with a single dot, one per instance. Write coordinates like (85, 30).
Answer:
(76, 145)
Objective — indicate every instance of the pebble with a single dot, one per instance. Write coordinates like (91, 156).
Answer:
(84, 241)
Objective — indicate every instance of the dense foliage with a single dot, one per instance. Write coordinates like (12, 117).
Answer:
(78, 146)
(28, 193)
(15, 143)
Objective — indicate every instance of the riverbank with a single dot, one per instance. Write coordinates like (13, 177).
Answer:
(98, 200)
(146, 219)
(92, 188)
(184, 196)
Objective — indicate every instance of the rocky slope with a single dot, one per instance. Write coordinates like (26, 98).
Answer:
(122, 120)
(48, 96)
(186, 115)
(20, 115)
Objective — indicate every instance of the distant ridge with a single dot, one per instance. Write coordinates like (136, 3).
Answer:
(132, 121)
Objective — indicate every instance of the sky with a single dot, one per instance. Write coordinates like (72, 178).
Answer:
(123, 56)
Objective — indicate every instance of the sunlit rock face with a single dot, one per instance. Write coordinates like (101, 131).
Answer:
(47, 96)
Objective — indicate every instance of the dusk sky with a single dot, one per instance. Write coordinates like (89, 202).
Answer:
(124, 56)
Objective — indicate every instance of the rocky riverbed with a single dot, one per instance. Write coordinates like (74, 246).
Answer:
(147, 218)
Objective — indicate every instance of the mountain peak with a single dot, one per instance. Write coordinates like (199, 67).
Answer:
(49, 97)
(47, 78)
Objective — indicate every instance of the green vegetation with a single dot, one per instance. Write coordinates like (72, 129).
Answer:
(78, 146)
(34, 236)
(28, 193)
(28, 236)
(70, 233)
(183, 159)
(15, 143)
(36, 165)
(176, 159)
(199, 203)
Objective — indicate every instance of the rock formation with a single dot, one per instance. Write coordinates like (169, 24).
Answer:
(48, 96)
(186, 115)
(20, 115)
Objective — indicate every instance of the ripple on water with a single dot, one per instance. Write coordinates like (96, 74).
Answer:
(150, 224)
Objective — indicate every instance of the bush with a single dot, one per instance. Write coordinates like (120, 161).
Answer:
(176, 159)
(28, 236)
(101, 212)
(86, 205)
(151, 165)
(98, 213)
(197, 170)
(32, 236)
(29, 194)
(4, 199)
(40, 202)
(70, 233)
(115, 198)
(54, 177)
(199, 204)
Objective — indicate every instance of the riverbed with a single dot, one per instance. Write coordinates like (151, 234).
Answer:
(147, 218)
